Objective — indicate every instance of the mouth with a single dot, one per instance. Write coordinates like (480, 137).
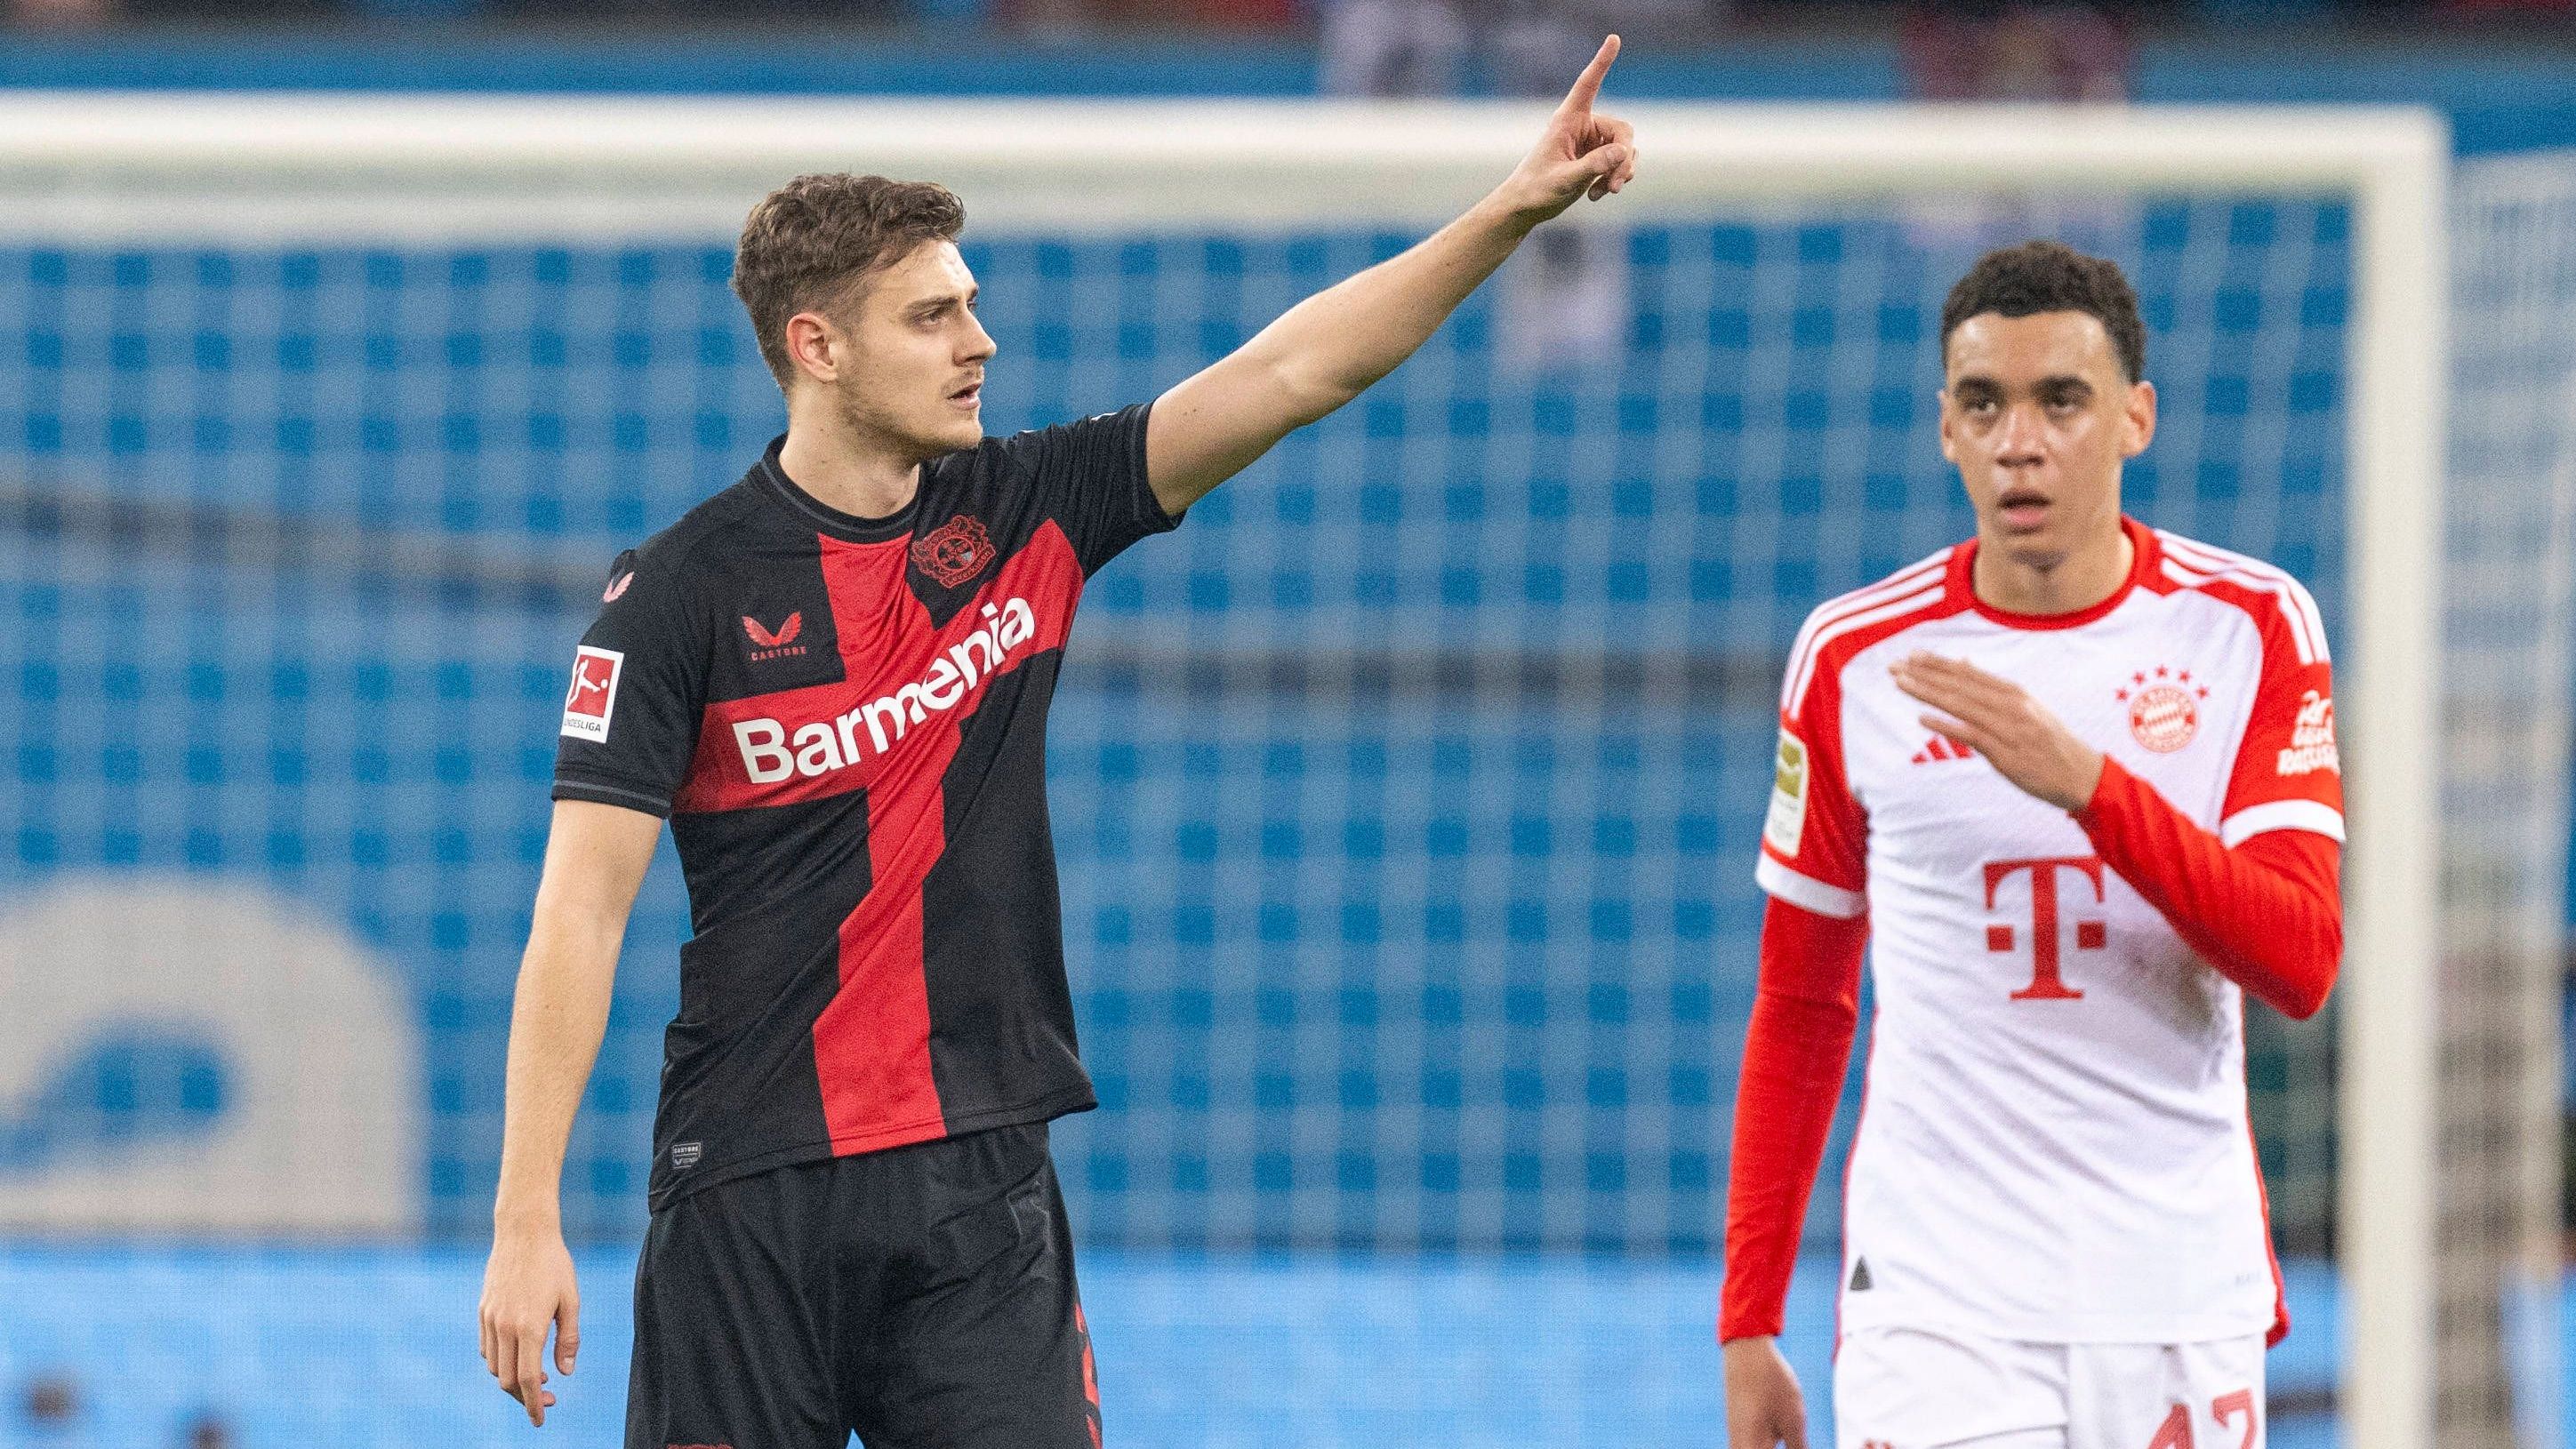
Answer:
(2022, 509)
(968, 397)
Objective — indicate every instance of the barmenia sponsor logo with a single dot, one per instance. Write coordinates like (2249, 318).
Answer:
(770, 753)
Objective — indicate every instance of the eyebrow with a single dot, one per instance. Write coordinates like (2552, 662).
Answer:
(2054, 382)
(929, 306)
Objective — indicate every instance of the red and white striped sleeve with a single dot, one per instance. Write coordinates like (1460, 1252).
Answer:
(1815, 836)
(2287, 774)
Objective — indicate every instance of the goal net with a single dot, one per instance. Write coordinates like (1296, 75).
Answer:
(1406, 798)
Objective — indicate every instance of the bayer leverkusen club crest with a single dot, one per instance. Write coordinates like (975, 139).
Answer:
(2164, 707)
(953, 552)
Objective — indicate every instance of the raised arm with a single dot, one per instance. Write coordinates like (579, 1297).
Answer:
(1327, 349)
(595, 860)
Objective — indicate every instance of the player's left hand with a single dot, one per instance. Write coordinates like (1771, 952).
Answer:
(1999, 720)
(1581, 153)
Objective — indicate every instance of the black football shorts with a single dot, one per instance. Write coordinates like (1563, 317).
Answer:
(922, 1297)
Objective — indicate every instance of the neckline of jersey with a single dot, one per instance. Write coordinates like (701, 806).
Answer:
(833, 521)
(1963, 584)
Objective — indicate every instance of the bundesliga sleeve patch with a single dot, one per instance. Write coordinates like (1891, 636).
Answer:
(593, 694)
(1783, 827)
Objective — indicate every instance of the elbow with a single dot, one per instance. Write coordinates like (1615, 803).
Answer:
(2306, 996)
(1310, 400)
(1308, 389)
(2303, 1001)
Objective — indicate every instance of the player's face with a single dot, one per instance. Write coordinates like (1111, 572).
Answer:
(2038, 416)
(913, 373)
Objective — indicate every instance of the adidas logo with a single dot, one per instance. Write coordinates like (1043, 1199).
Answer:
(1942, 749)
(1860, 1275)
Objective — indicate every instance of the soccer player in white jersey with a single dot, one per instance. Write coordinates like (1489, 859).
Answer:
(2075, 782)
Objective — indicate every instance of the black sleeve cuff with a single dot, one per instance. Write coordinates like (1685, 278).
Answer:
(626, 796)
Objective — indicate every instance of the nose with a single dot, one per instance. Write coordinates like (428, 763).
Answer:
(978, 342)
(2020, 439)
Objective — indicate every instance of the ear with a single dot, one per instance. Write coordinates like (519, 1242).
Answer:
(814, 346)
(2138, 420)
(1949, 446)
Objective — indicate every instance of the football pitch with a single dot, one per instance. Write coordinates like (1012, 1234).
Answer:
(358, 1348)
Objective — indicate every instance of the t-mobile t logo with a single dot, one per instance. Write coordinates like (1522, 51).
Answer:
(2045, 982)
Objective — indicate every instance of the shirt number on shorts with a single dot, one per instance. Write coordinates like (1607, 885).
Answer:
(2175, 1432)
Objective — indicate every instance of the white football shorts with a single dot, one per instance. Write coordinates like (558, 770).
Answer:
(1908, 1388)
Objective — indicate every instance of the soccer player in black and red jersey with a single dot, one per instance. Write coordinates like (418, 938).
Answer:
(832, 678)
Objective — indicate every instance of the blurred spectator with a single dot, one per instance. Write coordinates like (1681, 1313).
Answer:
(2029, 51)
(2008, 50)
(210, 1432)
(61, 14)
(49, 1409)
(2482, 8)
(1393, 48)
(1076, 18)
(1563, 301)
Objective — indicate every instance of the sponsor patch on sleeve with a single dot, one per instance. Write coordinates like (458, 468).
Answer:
(593, 695)
(2312, 738)
(1786, 823)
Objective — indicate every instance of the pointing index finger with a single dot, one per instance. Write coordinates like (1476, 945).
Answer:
(1587, 86)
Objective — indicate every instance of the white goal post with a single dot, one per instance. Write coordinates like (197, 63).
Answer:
(146, 168)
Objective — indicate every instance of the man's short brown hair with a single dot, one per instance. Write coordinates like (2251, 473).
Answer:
(810, 243)
(2047, 276)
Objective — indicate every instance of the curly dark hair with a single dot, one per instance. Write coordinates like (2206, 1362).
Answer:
(809, 243)
(2047, 276)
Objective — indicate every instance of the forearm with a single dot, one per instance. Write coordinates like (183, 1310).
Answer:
(1331, 347)
(2267, 914)
(557, 1021)
(1328, 349)
(1796, 1050)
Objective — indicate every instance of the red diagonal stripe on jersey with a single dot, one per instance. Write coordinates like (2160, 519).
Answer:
(872, 1042)
(886, 644)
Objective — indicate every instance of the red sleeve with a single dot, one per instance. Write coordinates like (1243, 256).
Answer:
(1805, 1012)
(2267, 913)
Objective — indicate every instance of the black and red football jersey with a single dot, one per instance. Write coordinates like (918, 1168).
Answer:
(845, 720)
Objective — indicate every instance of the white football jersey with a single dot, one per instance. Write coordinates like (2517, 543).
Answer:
(2053, 1142)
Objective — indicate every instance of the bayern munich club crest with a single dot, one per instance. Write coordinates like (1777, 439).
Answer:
(953, 552)
(2164, 707)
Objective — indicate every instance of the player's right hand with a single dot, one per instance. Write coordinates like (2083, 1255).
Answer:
(528, 1288)
(1581, 153)
(1763, 1406)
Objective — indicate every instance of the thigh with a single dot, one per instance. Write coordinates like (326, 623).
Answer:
(1909, 1388)
(2168, 1396)
(730, 1345)
(983, 1344)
